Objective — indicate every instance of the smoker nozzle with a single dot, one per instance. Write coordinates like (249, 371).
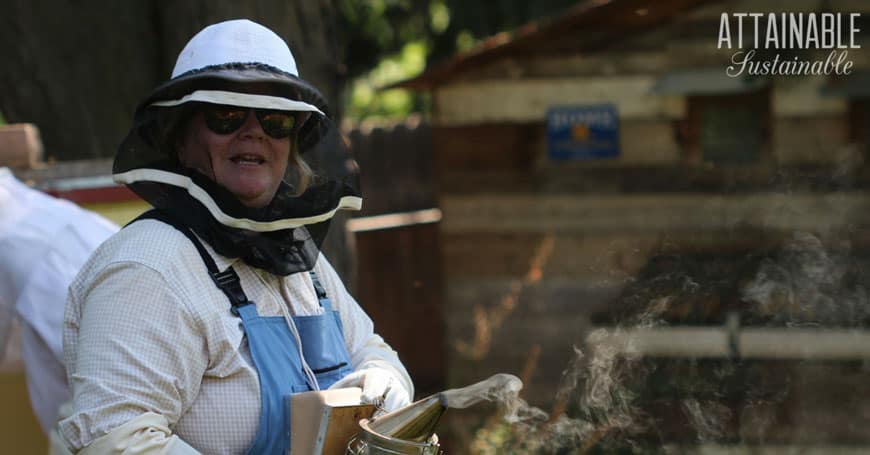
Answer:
(415, 422)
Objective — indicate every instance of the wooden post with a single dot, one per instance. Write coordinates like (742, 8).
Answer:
(20, 146)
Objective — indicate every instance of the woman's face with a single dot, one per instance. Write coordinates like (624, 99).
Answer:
(247, 162)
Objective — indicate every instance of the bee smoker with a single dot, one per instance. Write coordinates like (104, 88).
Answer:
(411, 430)
(406, 431)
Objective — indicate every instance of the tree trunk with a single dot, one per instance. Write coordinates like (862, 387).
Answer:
(78, 69)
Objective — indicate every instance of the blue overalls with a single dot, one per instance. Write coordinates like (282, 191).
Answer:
(274, 350)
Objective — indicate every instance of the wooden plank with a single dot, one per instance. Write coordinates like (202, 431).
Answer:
(400, 286)
(653, 212)
(748, 342)
(486, 147)
(503, 254)
(44, 176)
(552, 297)
(572, 64)
(522, 147)
(393, 220)
(489, 254)
(397, 156)
(324, 421)
(527, 100)
(98, 195)
(458, 181)
(20, 146)
(824, 174)
(817, 139)
(803, 97)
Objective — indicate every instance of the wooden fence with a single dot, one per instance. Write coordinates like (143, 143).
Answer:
(396, 272)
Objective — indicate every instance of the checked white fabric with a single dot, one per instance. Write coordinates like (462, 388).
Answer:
(147, 331)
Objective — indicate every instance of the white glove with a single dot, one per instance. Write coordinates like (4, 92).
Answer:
(379, 387)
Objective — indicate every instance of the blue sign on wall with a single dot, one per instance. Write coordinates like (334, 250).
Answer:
(582, 132)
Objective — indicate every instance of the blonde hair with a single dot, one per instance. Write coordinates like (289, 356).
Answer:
(304, 173)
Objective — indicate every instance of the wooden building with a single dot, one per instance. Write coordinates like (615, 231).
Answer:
(538, 248)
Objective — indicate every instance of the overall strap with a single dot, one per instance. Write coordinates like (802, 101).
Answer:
(318, 287)
(227, 281)
(322, 298)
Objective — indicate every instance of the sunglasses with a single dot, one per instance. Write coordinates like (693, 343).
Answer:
(221, 119)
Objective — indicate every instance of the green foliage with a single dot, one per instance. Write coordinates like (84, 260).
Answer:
(367, 101)
(391, 40)
(376, 29)
(2, 120)
(471, 22)
(387, 41)
(440, 16)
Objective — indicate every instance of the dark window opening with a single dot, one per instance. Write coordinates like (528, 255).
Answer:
(728, 129)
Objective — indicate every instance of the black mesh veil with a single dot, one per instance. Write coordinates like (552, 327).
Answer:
(283, 237)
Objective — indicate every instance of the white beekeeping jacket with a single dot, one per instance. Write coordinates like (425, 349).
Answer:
(43, 243)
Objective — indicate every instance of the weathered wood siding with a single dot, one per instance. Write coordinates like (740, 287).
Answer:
(397, 270)
(534, 248)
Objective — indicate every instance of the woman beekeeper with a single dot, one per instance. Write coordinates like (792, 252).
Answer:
(186, 331)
